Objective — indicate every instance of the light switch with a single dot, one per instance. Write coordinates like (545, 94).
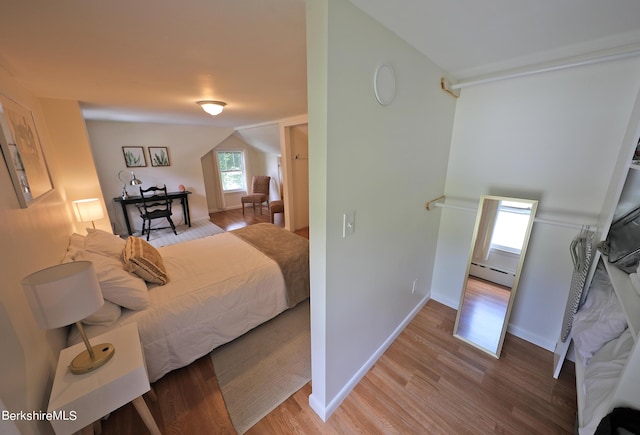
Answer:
(348, 223)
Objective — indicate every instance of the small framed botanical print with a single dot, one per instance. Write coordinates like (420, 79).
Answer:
(134, 157)
(159, 156)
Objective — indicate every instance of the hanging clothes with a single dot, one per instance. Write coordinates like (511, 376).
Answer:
(581, 249)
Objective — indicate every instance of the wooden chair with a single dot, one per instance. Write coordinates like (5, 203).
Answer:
(154, 205)
(259, 193)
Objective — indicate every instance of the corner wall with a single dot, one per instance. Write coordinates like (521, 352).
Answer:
(554, 137)
(186, 144)
(32, 239)
(383, 163)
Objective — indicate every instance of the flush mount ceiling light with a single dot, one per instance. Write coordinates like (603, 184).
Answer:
(212, 107)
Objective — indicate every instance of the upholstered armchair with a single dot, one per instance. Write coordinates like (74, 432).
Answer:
(259, 193)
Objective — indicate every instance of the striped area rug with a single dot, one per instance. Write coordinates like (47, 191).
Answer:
(262, 368)
(198, 230)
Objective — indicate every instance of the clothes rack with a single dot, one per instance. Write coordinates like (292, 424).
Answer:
(436, 202)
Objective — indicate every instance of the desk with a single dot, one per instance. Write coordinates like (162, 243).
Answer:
(77, 401)
(182, 196)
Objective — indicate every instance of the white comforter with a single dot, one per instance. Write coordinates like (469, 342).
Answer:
(220, 287)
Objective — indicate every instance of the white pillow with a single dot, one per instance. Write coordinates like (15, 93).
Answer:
(76, 242)
(602, 373)
(117, 285)
(106, 315)
(104, 243)
(600, 319)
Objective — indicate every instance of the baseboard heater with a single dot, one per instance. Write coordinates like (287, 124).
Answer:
(492, 274)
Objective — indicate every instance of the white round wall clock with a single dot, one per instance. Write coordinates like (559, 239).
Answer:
(384, 84)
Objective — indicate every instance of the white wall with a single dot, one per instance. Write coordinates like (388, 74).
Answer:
(32, 239)
(383, 163)
(257, 163)
(559, 134)
(186, 143)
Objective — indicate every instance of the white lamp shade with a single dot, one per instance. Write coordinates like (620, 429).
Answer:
(212, 107)
(88, 210)
(63, 294)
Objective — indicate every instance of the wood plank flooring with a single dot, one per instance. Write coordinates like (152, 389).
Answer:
(426, 382)
(483, 312)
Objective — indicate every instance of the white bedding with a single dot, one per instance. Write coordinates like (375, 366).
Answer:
(219, 288)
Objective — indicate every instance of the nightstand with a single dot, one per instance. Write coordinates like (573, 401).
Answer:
(77, 401)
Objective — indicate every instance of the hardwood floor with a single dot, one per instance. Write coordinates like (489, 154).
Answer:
(483, 312)
(430, 382)
(233, 219)
(426, 382)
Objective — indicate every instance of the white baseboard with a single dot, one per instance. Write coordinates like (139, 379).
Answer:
(449, 302)
(531, 338)
(325, 412)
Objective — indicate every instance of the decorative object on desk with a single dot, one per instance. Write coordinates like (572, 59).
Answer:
(134, 157)
(132, 181)
(64, 294)
(88, 210)
(181, 188)
(25, 160)
(159, 156)
(213, 108)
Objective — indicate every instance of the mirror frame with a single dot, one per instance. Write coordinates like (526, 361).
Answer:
(525, 244)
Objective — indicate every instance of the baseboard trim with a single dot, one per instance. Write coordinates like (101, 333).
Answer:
(325, 412)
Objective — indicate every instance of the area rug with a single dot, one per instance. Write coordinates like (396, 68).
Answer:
(264, 367)
(198, 230)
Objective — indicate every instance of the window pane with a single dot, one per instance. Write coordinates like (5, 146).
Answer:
(232, 180)
(232, 174)
(510, 229)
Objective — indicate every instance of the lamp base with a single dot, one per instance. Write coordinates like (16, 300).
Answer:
(84, 363)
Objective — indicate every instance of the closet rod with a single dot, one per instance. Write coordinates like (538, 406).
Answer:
(434, 202)
(535, 70)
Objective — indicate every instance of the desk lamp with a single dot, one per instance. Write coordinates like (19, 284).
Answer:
(88, 210)
(133, 181)
(63, 294)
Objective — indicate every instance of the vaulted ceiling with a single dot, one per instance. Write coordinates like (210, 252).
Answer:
(150, 60)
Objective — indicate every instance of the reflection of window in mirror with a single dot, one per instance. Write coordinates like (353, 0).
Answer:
(511, 226)
(501, 234)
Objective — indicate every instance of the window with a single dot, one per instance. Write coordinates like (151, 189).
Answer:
(510, 227)
(231, 165)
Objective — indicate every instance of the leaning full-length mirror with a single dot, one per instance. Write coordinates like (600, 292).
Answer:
(498, 248)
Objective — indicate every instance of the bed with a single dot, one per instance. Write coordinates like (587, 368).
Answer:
(218, 288)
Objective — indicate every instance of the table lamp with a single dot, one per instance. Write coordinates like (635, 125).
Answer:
(88, 210)
(133, 181)
(63, 294)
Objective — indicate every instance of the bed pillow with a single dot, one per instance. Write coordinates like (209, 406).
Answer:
(106, 315)
(104, 243)
(117, 285)
(600, 319)
(76, 243)
(144, 260)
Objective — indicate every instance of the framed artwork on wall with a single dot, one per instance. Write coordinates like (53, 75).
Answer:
(134, 157)
(22, 152)
(159, 156)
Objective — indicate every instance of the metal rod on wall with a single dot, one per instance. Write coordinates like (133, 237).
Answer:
(436, 203)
